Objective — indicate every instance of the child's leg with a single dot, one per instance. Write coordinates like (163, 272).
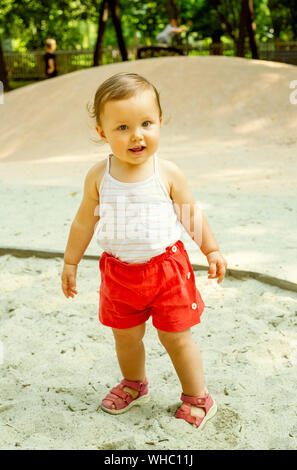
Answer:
(187, 361)
(131, 354)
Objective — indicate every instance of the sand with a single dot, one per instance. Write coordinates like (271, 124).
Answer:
(232, 130)
(59, 362)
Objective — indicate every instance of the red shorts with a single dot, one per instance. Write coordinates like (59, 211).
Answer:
(163, 287)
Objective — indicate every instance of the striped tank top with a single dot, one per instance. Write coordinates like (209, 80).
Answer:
(137, 220)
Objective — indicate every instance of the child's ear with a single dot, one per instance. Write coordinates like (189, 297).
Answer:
(161, 119)
(101, 133)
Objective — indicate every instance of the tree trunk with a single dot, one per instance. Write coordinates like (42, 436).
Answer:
(103, 17)
(242, 29)
(173, 9)
(115, 14)
(247, 26)
(3, 72)
(251, 29)
(216, 47)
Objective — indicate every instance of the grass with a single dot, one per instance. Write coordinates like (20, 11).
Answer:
(14, 84)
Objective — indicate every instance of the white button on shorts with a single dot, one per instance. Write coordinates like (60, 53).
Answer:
(189, 275)
(174, 249)
(194, 306)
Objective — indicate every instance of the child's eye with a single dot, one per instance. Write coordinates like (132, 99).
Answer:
(123, 126)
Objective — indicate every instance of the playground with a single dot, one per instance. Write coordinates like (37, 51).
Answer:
(230, 125)
(226, 76)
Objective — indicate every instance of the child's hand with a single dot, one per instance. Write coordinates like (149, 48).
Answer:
(68, 277)
(217, 265)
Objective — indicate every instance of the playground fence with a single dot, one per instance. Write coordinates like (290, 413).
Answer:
(30, 65)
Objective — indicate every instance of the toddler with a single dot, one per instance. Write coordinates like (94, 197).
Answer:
(133, 204)
(50, 58)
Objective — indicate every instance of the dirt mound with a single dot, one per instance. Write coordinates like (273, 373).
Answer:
(205, 100)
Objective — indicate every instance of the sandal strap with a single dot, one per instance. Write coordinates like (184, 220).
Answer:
(116, 400)
(117, 396)
(119, 393)
(198, 401)
(185, 413)
(136, 385)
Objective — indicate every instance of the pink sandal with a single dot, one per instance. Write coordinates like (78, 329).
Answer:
(206, 402)
(122, 400)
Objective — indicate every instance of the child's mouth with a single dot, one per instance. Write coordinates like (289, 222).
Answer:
(138, 150)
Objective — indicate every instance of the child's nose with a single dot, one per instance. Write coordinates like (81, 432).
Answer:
(137, 134)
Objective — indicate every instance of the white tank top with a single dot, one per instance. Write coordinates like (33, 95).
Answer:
(137, 220)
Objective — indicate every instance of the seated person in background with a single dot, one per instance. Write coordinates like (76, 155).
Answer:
(166, 35)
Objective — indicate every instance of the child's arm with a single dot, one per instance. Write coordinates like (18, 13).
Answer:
(81, 233)
(51, 66)
(82, 227)
(194, 221)
(179, 30)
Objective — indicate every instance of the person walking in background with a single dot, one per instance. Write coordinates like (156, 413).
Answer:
(172, 28)
(50, 58)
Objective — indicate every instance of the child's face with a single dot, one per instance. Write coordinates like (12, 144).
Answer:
(52, 46)
(130, 123)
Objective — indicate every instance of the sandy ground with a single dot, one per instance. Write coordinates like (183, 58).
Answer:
(232, 130)
(59, 362)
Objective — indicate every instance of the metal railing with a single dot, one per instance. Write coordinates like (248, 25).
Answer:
(30, 65)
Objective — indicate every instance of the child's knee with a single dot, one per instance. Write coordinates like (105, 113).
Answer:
(129, 335)
(174, 340)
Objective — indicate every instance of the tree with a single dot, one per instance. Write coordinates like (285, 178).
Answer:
(247, 26)
(103, 17)
(237, 19)
(33, 21)
(251, 27)
(283, 16)
(115, 14)
(113, 6)
(3, 72)
(173, 9)
(207, 24)
(292, 5)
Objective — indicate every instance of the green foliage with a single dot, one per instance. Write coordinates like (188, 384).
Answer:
(74, 23)
(284, 18)
(36, 20)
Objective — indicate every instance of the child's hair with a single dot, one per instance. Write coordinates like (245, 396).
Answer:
(120, 86)
(49, 43)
